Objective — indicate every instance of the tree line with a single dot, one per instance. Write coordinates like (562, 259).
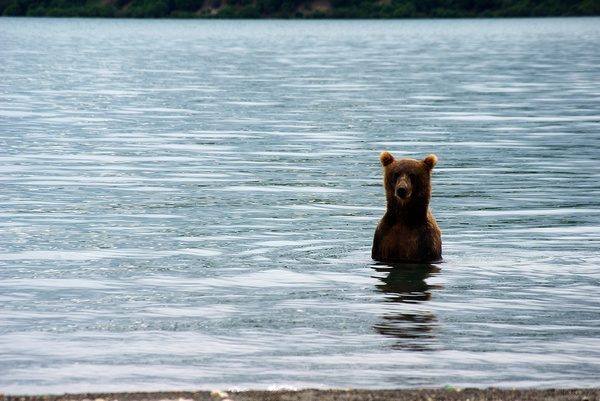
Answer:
(299, 8)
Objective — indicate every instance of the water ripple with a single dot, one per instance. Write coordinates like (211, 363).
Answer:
(191, 204)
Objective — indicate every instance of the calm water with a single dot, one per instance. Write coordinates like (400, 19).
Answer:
(190, 204)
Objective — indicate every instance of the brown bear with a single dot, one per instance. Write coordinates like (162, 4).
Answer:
(407, 232)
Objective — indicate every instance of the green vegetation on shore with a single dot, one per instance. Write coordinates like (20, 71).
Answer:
(299, 8)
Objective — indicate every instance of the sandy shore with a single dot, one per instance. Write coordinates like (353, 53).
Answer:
(490, 394)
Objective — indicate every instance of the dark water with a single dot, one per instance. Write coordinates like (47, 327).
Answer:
(190, 204)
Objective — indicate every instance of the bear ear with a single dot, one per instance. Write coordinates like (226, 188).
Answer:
(386, 158)
(430, 161)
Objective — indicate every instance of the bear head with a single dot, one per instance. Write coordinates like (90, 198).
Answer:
(407, 182)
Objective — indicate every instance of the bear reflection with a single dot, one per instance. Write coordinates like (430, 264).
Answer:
(408, 319)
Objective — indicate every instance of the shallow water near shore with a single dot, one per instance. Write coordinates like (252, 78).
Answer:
(191, 204)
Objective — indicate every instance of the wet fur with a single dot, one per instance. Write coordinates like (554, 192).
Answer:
(408, 231)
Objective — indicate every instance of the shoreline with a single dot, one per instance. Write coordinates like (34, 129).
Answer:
(470, 394)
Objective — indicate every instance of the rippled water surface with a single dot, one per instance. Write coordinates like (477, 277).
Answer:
(190, 204)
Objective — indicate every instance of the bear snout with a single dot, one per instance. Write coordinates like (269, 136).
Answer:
(402, 191)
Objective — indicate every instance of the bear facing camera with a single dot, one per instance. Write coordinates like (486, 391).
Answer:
(407, 232)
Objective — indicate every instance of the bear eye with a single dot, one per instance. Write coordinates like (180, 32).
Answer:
(396, 176)
(412, 176)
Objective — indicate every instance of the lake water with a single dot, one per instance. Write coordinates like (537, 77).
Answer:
(190, 204)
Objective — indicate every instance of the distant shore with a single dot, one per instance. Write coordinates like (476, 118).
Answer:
(491, 394)
(297, 9)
